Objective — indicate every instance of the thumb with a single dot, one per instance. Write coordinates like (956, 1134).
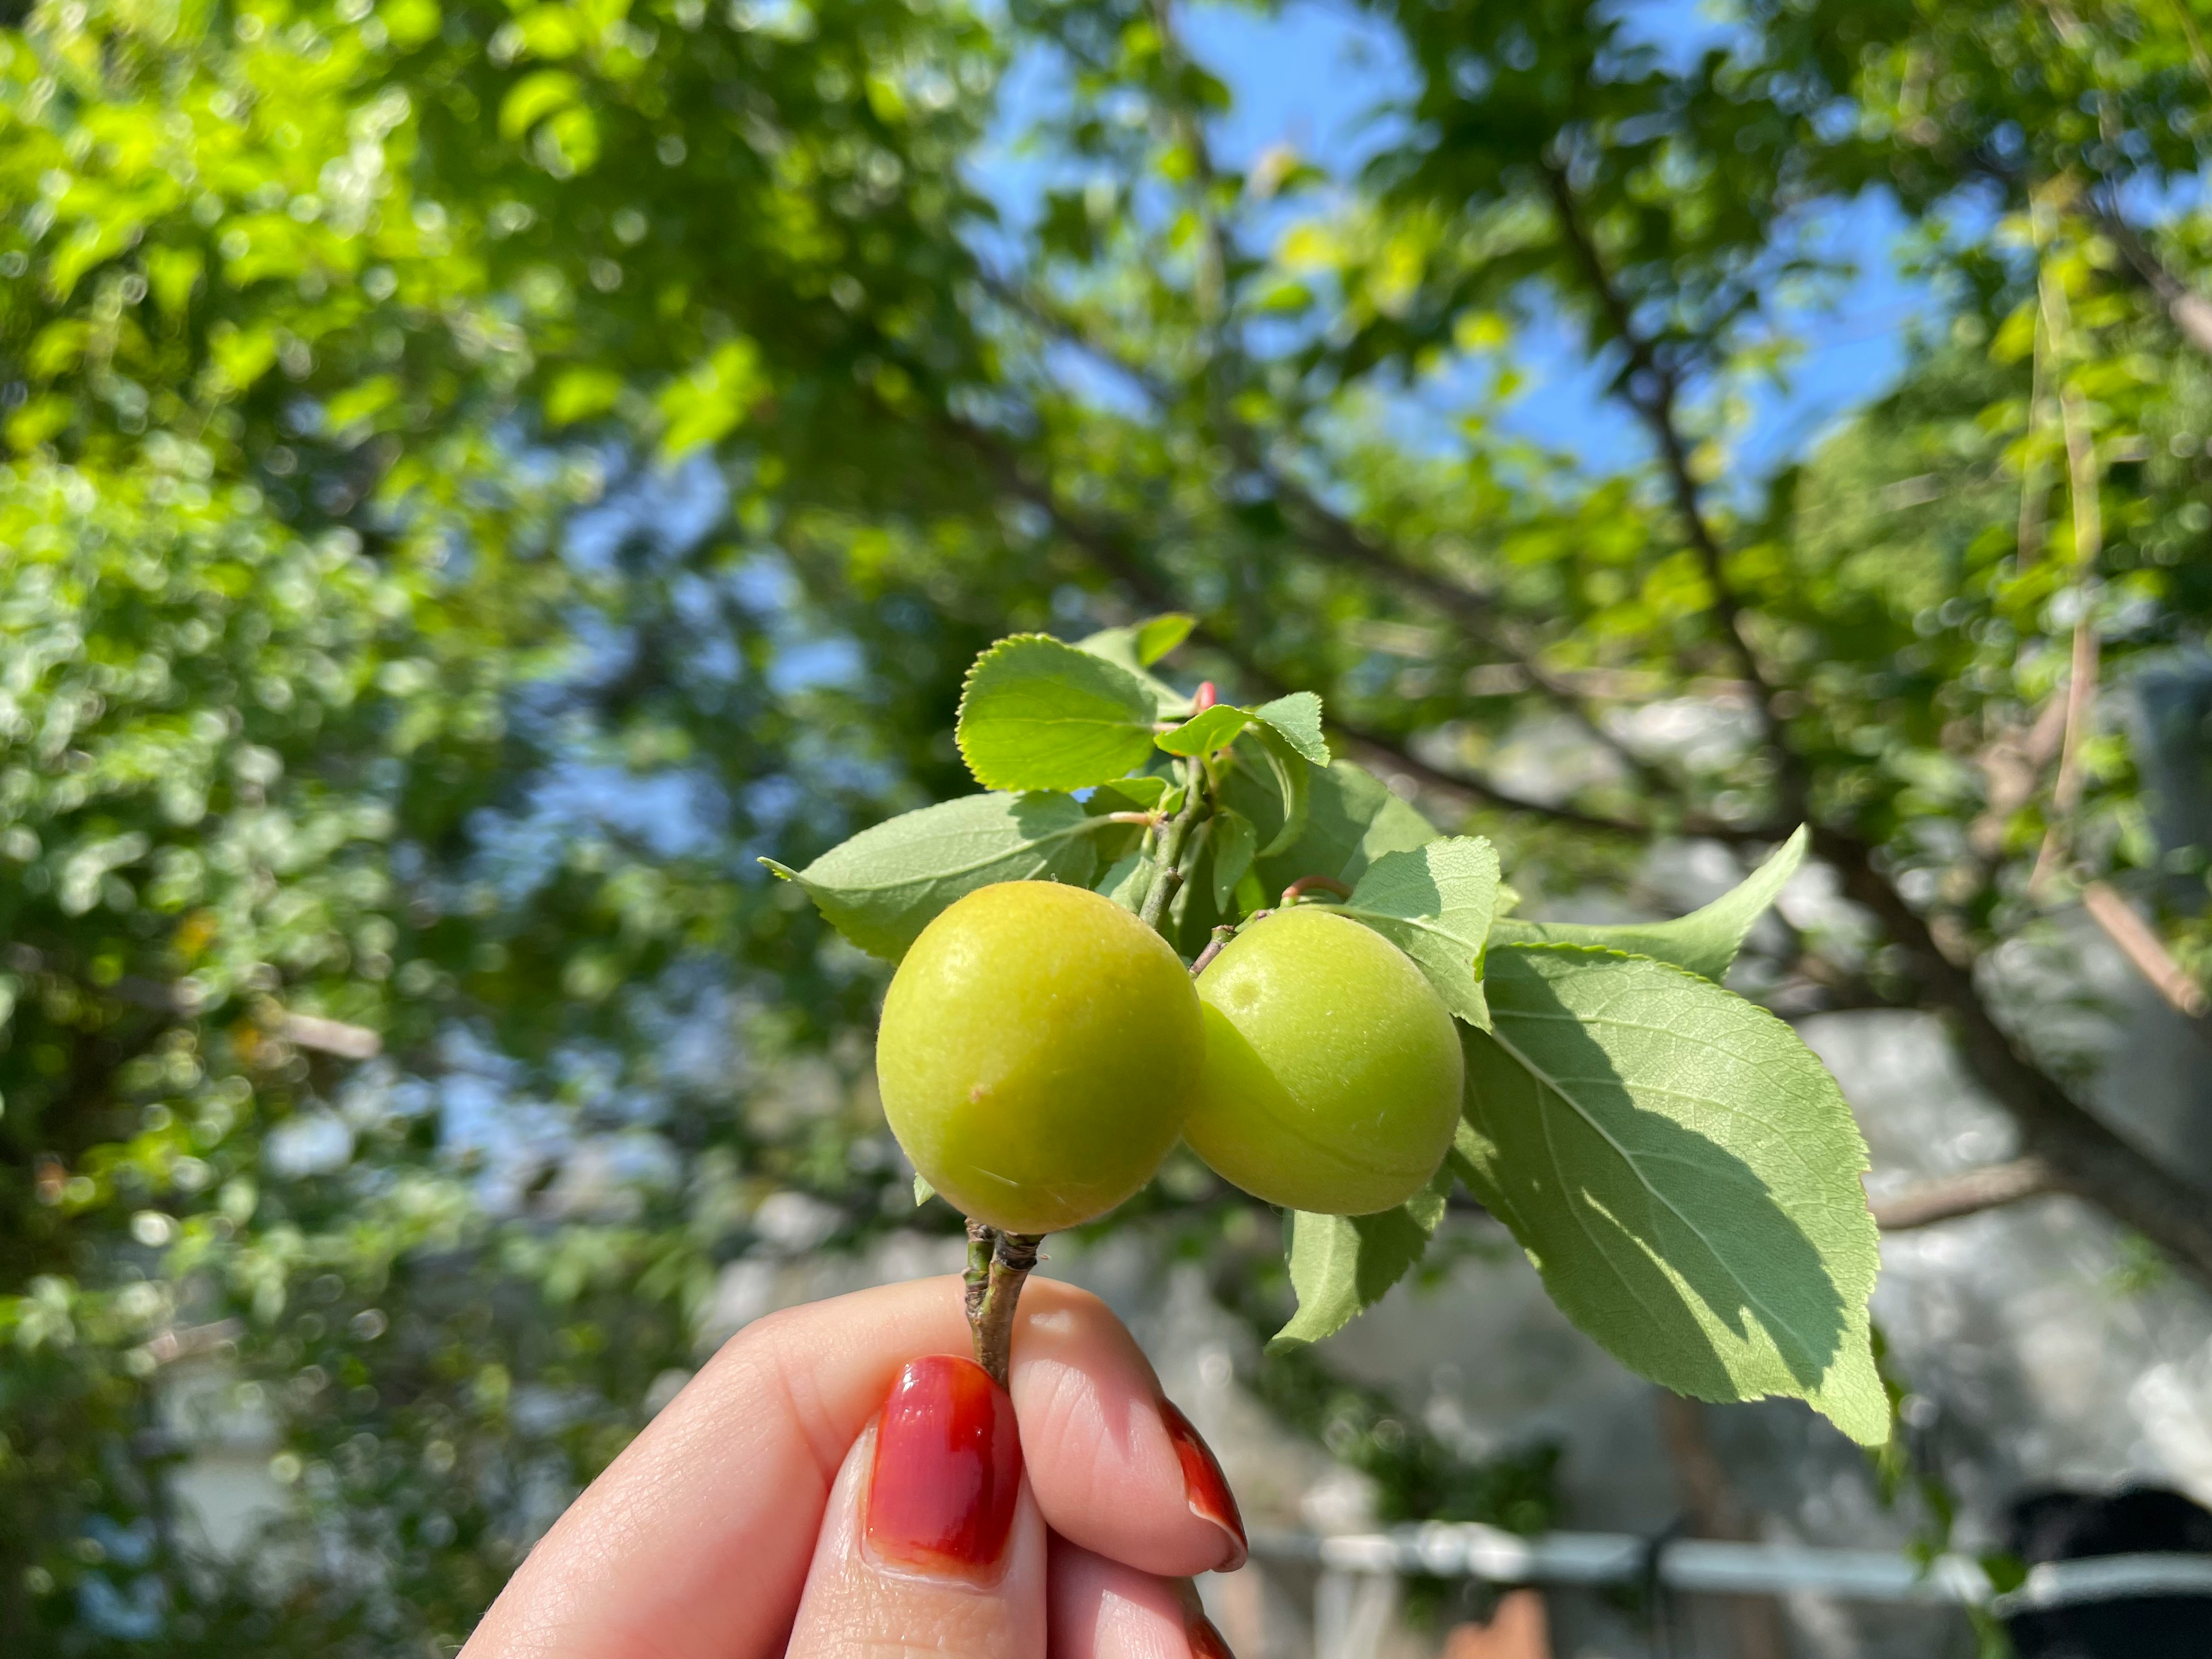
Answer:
(932, 1542)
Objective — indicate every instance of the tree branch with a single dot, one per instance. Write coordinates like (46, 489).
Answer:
(2143, 947)
(2088, 1159)
(1968, 1193)
(1113, 553)
(1652, 388)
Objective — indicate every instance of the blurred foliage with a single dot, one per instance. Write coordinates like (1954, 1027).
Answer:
(476, 476)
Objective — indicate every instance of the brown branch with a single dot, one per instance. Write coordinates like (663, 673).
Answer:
(2088, 1159)
(1331, 535)
(2096, 1164)
(1114, 553)
(2144, 949)
(186, 1000)
(1968, 1193)
(329, 1036)
(1652, 389)
(1715, 1508)
(1335, 535)
(2081, 486)
(2093, 1162)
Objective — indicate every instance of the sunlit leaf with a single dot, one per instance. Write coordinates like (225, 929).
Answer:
(884, 886)
(1684, 1173)
(1039, 715)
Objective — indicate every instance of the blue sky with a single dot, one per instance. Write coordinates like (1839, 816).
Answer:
(1312, 74)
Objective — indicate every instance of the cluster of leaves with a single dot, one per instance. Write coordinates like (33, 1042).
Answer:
(1680, 1167)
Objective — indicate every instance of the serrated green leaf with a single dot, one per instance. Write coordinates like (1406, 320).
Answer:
(1434, 903)
(1203, 733)
(1706, 941)
(1039, 715)
(1234, 841)
(1683, 1172)
(883, 887)
(923, 1192)
(1125, 647)
(1342, 1264)
(1297, 717)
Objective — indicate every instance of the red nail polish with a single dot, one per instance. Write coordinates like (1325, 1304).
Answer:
(1205, 1486)
(947, 1469)
(1205, 1642)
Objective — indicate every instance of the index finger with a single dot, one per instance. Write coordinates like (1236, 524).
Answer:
(694, 1543)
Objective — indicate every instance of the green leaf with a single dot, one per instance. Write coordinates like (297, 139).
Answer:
(1234, 841)
(1341, 1264)
(1434, 903)
(1297, 717)
(1039, 715)
(1126, 648)
(923, 1192)
(1685, 1175)
(1250, 895)
(706, 405)
(1706, 941)
(1128, 881)
(881, 888)
(1157, 635)
(533, 98)
(1291, 779)
(1140, 794)
(1144, 643)
(1351, 821)
(1203, 733)
(580, 392)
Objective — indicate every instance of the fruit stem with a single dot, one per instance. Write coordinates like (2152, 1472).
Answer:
(982, 1238)
(1221, 935)
(998, 1263)
(1297, 889)
(1168, 870)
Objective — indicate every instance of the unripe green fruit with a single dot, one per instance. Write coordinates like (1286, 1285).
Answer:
(1332, 1070)
(1037, 1055)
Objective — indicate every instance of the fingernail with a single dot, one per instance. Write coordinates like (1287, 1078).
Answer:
(1205, 1642)
(1205, 1486)
(947, 1469)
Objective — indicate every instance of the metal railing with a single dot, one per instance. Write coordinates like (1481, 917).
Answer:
(1348, 1622)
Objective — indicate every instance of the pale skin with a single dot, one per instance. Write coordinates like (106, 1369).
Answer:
(729, 1529)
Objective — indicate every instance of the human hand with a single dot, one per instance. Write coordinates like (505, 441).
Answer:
(832, 1484)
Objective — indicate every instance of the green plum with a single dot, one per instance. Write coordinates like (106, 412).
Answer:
(1039, 1050)
(1332, 1070)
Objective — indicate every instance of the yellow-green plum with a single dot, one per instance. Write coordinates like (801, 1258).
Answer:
(1038, 1053)
(1332, 1070)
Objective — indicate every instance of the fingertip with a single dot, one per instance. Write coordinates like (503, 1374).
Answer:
(1104, 1609)
(1116, 1468)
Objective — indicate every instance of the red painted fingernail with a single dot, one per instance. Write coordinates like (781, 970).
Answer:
(948, 1467)
(1205, 1486)
(1205, 1642)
